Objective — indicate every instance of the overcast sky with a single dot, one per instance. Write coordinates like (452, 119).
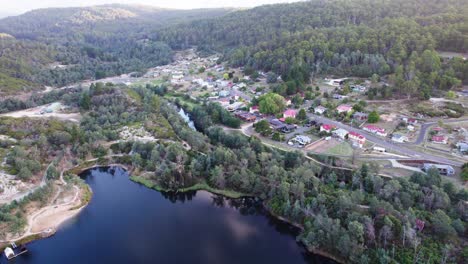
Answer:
(21, 6)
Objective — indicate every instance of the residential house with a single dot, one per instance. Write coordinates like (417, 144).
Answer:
(462, 146)
(360, 116)
(443, 169)
(357, 139)
(320, 110)
(412, 121)
(248, 117)
(290, 113)
(341, 133)
(338, 96)
(224, 102)
(410, 128)
(344, 108)
(233, 107)
(439, 139)
(302, 140)
(254, 109)
(399, 138)
(282, 127)
(327, 128)
(224, 93)
(375, 130)
(358, 88)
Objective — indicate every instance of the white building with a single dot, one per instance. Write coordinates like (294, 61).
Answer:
(399, 138)
(320, 110)
(341, 133)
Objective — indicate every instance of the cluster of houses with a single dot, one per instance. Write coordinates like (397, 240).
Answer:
(356, 139)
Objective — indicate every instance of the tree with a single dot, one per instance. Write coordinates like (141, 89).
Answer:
(442, 224)
(263, 127)
(301, 115)
(271, 103)
(374, 117)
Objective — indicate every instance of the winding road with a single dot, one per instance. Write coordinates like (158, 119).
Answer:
(392, 146)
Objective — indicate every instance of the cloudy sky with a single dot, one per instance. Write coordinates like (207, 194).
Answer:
(21, 6)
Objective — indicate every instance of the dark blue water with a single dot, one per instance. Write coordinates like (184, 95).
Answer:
(128, 223)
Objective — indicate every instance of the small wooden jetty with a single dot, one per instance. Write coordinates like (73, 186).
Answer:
(14, 251)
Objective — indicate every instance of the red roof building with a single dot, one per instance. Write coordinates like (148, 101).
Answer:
(357, 138)
(326, 127)
(376, 130)
(290, 113)
(439, 139)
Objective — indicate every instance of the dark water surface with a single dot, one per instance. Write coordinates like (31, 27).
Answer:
(129, 223)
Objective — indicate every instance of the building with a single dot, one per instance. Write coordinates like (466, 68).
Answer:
(320, 110)
(360, 116)
(399, 138)
(302, 140)
(290, 113)
(245, 116)
(410, 128)
(357, 139)
(462, 146)
(443, 169)
(358, 88)
(344, 108)
(224, 93)
(282, 127)
(412, 121)
(439, 139)
(254, 109)
(327, 128)
(338, 96)
(375, 130)
(341, 133)
(233, 107)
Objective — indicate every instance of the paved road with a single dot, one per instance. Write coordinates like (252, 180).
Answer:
(387, 143)
(426, 126)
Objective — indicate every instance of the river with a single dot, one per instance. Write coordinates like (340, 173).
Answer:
(128, 223)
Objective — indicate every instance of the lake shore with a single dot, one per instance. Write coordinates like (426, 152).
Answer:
(56, 222)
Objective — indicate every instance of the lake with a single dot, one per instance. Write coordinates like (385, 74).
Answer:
(128, 223)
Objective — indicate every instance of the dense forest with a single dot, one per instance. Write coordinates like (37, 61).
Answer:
(358, 38)
(297, 41)
(61, 46)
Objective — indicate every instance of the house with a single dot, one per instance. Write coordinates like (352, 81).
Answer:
(327, 128)
(248, 117)
(443, 169)
(224, 102)
(462, 146)
(233, 107)
(360, 116)
(224, 93)
(412, 121)
(290, 113)
(302, 140)
(358, 88)
(375, 130)
(439, 139)
(320, 110)
(399, 138)
(341, 133)
(357, 139)
(344, 108)
(282, 127)
(338, 96)
(410, 128)
(254, 109)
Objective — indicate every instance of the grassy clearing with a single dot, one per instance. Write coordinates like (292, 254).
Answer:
(342, 149)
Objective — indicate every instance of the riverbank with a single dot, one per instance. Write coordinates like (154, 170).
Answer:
(196, 187)
(312, 250)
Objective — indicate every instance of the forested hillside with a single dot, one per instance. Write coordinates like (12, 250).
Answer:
(297, 41)
(342, 37)
(58, 46)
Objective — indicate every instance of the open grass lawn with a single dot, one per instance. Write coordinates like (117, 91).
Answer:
(342, 149)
